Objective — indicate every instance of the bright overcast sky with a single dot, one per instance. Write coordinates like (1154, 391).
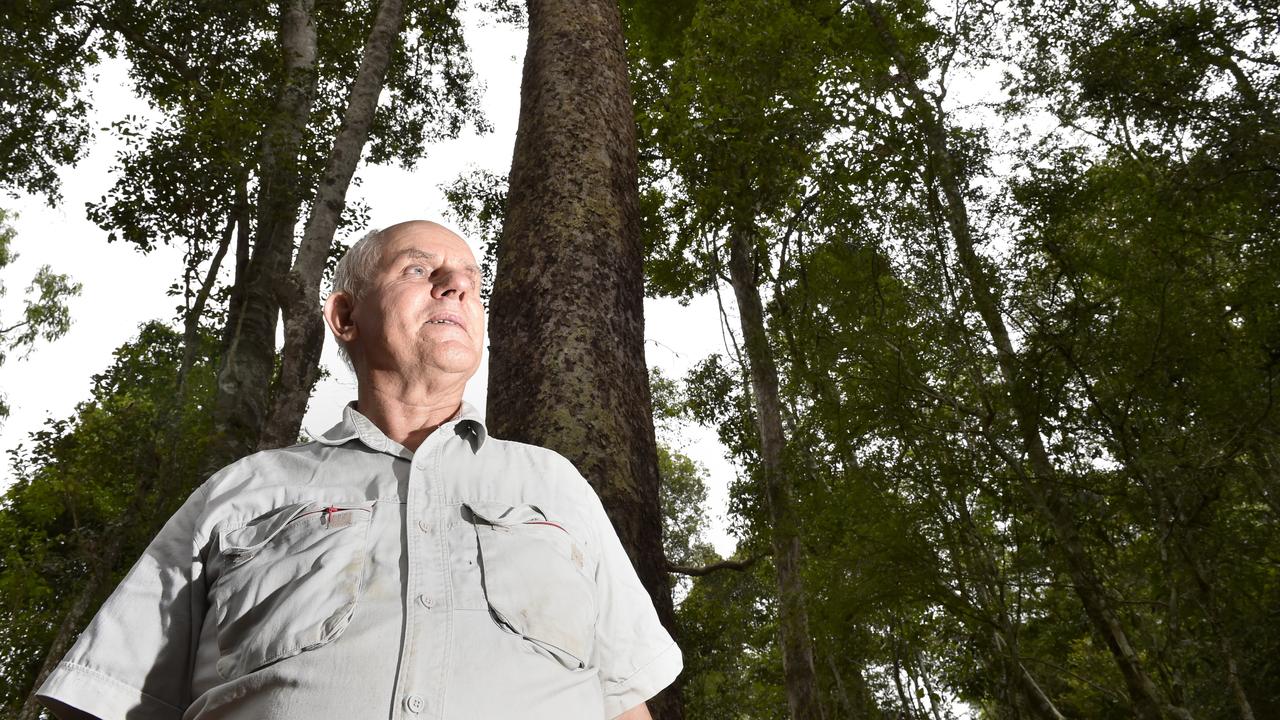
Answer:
(123, 288)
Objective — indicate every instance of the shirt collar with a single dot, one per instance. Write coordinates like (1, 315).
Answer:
(467, 423)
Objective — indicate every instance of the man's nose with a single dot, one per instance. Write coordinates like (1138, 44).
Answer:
(450, 283)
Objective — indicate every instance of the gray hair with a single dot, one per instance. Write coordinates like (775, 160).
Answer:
(355, 273)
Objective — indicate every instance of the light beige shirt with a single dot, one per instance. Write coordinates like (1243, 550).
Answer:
(343, 578)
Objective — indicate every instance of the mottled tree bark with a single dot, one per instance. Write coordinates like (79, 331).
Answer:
(248, 365)
(1041, 482)
(299, 294)
(793, 620)
(567, 368)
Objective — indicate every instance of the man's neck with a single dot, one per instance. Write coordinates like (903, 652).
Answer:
(405, 412)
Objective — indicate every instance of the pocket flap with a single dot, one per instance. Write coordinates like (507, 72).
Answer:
(246, 539)
(502, 514)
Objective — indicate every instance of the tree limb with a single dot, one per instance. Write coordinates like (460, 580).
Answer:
(701, 570)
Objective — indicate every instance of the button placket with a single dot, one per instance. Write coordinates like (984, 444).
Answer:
(428, 627)
(412, 657)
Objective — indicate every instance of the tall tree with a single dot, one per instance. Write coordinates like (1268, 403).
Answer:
(567, 366)
(248, 365)
(737, 126)
(1040, 477)
(298, 293)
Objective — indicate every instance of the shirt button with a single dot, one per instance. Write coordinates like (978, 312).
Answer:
(415, 703)
(427, 602)
(424, 526)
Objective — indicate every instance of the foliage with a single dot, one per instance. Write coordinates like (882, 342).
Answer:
(1132, 243)
(478, 202)
(1119, 182)
(43, 317)
(81, 481)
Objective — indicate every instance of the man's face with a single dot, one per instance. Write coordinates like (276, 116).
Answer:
(421, 315)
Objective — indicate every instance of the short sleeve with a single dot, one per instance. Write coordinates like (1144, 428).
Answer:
(135, 657)
(633, 653)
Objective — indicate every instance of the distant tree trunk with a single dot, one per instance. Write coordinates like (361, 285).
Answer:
(191, 320)
(299, 294)
(997, 630)
(793, 621)
(248, 365)
(1041, 482)
(1124, 442)
(567, 368)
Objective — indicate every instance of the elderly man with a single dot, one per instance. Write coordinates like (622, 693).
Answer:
(403, 565)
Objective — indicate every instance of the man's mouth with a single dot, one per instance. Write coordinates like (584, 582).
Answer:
(446, 319)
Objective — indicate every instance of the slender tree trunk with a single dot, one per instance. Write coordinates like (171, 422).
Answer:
(240, 276)
(191, 320)
(842, 695)
(567, 368)
(248, 365)
(1024, 693)
(907, 711)
(300, 293)
(1041, 483)
(928, 687)
(797, 644)
(1209, 603)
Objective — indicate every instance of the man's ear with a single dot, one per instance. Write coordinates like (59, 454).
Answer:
(337, 313)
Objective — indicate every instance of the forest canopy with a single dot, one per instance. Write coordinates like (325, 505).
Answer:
(1000, 283)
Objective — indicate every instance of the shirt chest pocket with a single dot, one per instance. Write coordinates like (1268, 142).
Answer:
(287, 582)
(535, 578)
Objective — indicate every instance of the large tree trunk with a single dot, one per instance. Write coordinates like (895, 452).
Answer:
(1042, 480)
(567, 368)
(300, 293)
(797, 645)
(244, 378)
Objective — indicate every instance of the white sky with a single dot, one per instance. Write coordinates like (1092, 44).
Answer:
(123, 288)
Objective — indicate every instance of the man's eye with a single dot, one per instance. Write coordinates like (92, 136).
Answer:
(416, 270)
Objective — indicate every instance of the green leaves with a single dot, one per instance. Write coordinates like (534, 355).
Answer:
(46, 48)
(129, 453)
(1131, 245)
(478, 202)
(45, 314)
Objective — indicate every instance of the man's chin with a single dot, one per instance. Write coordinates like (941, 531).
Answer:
(463, 364)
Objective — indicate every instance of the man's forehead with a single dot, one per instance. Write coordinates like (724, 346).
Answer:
(415, 252)
(428, 240)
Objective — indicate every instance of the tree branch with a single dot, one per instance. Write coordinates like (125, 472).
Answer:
(701, 570)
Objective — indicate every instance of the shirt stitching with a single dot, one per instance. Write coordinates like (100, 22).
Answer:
(115, 682)
(640, 670)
